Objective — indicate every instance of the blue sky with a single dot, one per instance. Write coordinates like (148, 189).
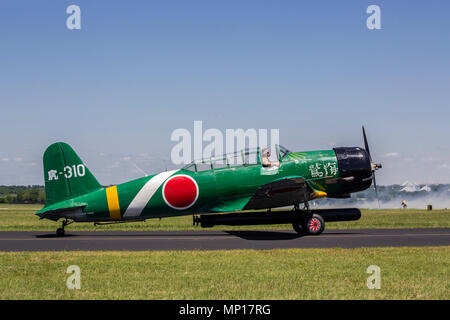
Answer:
(137, 70)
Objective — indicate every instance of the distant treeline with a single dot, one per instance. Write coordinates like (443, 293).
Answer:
(22, 194)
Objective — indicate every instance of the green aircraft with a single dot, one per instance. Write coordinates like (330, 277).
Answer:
(234, 189)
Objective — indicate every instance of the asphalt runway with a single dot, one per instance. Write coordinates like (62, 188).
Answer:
(217, 240)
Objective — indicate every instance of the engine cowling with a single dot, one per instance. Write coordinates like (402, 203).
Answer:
(355, 169)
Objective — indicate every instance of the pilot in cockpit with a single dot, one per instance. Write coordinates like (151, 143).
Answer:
(265, 154)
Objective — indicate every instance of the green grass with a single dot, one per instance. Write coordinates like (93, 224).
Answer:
(406, 273)
(22, 218)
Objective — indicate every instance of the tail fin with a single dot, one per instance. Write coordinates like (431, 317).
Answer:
(66, 176)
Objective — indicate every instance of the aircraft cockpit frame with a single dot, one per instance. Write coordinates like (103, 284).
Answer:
(242, 158)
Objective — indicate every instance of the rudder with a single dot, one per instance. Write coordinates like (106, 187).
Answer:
(66, 176)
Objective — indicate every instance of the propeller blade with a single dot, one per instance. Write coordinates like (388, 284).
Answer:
(373, 165)
(366, 144)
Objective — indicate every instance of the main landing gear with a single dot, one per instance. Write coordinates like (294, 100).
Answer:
(60, 231)
(310, 224)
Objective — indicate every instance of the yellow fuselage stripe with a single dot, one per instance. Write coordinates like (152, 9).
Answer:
(113, 203)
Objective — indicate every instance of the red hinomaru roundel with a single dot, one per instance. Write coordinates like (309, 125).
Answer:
(180, 191)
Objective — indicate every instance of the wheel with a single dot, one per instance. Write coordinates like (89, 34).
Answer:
(298, 227)
(60, 232)
(314, 225)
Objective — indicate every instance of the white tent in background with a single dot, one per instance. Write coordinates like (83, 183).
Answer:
(414, 187)
(410, 187)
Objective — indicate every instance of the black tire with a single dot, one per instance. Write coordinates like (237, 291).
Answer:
(60, 232)
(298, 228)
(314, 225)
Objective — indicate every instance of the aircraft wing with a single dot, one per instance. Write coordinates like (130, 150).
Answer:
(282, 192)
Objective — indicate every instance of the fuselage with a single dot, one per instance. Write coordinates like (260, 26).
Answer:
(187, 191)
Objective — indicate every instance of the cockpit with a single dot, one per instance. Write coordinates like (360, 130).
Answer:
(247, 157)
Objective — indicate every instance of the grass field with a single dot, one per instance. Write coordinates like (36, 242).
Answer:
(15, 217)
(406, 273)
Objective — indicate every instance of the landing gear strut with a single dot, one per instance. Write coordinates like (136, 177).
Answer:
(307, 207)
(312, 224)
(60, 231)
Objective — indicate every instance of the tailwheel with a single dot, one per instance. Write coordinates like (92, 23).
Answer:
(314, 225)
(60, 231)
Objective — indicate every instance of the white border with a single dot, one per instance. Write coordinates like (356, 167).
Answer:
(180, 175)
